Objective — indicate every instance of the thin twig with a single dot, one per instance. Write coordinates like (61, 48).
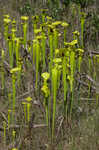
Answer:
(3, 115)
(59, 127)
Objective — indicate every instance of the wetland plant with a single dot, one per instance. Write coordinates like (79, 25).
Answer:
(56, 62)
(7, 21)
(46, 92)
(13, 71)
(25, 27)
(54, 91)
(83, 16)
(28, 99)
